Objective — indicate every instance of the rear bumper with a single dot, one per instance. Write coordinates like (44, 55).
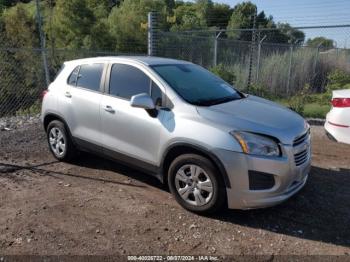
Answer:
(289, 178)
(337, 132)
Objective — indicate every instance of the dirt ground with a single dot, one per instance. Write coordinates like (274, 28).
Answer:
(97, 207)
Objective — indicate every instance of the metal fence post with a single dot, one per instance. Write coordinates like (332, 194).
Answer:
(252, 51)
(42, 43)
(289, 68)
(216, 48)
(316, 59)
(258, 60)
(152, 27)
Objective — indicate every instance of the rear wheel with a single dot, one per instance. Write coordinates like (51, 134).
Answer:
(60, 143)
(196, 184)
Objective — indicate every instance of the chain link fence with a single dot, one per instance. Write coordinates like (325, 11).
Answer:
(22, 76)
(281, 69)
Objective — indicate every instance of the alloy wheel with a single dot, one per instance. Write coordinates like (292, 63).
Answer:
(57, 142)
(194, 185)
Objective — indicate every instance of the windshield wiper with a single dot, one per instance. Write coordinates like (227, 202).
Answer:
(215, 101)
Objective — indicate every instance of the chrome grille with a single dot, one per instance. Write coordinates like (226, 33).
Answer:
(301, 157)
(301, 145)
(299, 140)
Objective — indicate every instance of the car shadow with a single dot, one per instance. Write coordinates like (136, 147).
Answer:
(320, 211)
(95, 162)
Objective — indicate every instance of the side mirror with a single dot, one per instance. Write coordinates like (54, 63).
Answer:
(142, 101)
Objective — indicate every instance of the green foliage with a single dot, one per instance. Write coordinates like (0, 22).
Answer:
(219, 15)
(338, 79)
(20, 26)
(260, 90)
(315, 110)
(189, 16)
(121, 25)
(274, 70)
(320, 41)
(287, 34)
(224, 73)
(241, 18)
(170, 5)
(21, 71)
(310, 109)
(81, 24)
(34, 109)
(128, 23)
(297, 102)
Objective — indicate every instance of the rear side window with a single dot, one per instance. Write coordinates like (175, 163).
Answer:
(89, 76)
(126, 81)
(72, 80)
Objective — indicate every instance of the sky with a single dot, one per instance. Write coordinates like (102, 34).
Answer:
(300, 13)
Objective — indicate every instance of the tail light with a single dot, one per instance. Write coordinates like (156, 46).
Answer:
(43, 94)
(341, 102)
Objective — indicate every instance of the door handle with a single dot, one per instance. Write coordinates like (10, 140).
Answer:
(67, 94)
(109, 109)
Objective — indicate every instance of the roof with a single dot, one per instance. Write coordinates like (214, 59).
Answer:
(146, 60)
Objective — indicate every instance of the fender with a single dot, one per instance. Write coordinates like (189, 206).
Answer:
(204, 151)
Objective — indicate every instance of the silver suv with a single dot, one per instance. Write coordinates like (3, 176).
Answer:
(212, 144)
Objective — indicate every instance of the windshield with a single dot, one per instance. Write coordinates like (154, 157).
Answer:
(197, 85)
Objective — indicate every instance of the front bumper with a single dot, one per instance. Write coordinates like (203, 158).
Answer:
(289, 177)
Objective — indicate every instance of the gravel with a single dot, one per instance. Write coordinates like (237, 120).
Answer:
(109, 209)
(16, 122)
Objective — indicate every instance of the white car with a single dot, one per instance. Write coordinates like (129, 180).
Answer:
(338, 119)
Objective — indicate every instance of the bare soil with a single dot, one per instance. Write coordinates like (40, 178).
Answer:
(97, 207)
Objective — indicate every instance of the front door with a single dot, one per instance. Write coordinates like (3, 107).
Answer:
(128, 132)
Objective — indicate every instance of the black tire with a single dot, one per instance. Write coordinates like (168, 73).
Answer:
(70, 150)
(218, 198)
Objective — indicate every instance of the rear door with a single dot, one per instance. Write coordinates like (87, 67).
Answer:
(131, 133)
(81, 103)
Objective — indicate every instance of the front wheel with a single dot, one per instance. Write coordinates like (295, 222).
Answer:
(196, 184)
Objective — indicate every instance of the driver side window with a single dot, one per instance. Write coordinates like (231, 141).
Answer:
(127, 81)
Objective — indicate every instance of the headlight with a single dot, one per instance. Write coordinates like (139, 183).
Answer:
(256, 144)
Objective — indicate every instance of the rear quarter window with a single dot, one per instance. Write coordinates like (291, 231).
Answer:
(87, 76)
(72, 79)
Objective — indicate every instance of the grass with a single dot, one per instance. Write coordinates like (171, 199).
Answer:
(314, 110)
(311, 110)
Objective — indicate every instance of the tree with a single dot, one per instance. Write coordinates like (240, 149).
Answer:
(21, 66)
(128, 23)
(219, 16)
(289, 34)
(170, 5)
(204, 9)
(321, 41)
(20, 26)
(187, 18)
(192, 16)
(81, 24)
(242, 18)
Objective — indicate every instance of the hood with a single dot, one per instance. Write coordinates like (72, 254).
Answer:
(257, 115)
